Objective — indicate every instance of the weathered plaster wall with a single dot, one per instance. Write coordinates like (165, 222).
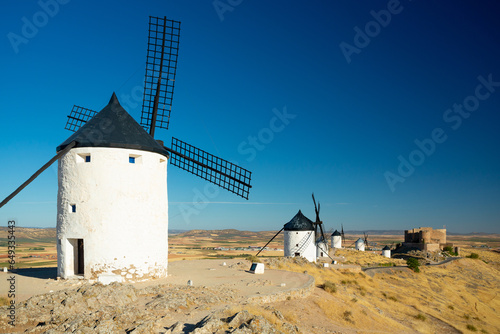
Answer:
(305, 241)
(121, 212)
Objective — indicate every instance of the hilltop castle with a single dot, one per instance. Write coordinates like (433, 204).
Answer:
(425, 238)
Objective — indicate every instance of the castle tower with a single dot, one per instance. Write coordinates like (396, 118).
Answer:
(300, 238)
(112, 207)
(336, 239)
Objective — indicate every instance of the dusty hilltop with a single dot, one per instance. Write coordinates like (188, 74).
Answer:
(295, 296)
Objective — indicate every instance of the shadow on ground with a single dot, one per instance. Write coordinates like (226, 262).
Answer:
(50, 272)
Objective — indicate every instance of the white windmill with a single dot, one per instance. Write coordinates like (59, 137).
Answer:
(386, 251)
(336, 239)
(112, 208)
(360, 244)
(300, 237)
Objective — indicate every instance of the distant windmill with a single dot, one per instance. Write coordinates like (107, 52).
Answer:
(303, 237)
(112, 200)
(321, 242)
(336, 239)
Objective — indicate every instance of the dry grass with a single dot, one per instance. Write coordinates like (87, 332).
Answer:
(367, 259)
(405, 301)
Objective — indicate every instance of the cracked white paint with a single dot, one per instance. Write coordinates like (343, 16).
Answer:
(121, 212)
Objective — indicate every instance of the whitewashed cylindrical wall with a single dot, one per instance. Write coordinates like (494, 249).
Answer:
(300, 243)
(321, 249)
(360, 245)
(336, 241)
(115, 200)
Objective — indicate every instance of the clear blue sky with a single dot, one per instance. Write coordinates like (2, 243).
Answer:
(359, 81)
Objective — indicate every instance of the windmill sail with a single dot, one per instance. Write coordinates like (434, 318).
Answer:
(161, 64)
(78, 117)
(318, 223)
(211, 168)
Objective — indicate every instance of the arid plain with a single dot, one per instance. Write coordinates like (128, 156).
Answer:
(460, 296)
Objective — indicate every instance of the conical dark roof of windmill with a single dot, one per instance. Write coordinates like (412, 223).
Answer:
(336, 234)
(114, 127)
(299, 223)
(386, 248)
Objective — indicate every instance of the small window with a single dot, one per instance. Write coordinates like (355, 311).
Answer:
(83, 157)
(135, 159)
(297, 245)
(73, 207)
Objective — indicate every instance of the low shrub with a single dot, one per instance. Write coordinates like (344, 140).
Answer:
(449, 250)
(413, 264)
(348, 316)
(388, 264)
(472, 328)
(329, 287)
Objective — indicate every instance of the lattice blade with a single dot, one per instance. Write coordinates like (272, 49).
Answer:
(78, 117)
(211, 168)
(161, 64)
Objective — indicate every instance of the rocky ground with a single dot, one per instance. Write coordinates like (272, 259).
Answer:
(160, 306)
(122, 308)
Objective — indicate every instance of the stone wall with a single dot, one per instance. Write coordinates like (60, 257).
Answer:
(425, 235)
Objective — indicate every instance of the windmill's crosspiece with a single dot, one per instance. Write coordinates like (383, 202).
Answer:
(161, 64)
(78, 117)
(211, 168)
